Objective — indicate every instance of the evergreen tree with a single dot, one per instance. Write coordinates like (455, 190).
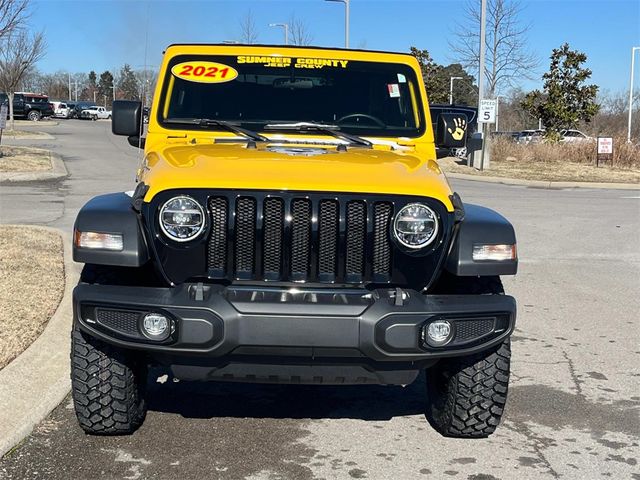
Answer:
(93, 79)
(90, 92)
(566, 99)
(437, 80)
(128, 84)
(105, 86)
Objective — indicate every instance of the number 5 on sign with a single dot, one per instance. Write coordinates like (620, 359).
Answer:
(487, 113)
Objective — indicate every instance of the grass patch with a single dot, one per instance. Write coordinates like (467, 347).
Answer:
(48, 121)
(24, 159)
(25, 135)
(31, 286)
(555, 162)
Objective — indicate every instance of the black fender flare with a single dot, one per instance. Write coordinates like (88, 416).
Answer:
(480, 226)
(112, 213)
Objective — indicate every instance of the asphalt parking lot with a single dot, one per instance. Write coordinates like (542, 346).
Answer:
(574, 401)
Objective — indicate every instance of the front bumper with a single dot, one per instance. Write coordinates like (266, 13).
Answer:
(211, 322)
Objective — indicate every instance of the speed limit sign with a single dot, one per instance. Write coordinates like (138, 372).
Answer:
(487, 112)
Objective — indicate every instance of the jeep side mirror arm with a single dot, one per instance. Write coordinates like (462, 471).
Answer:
(136, 141)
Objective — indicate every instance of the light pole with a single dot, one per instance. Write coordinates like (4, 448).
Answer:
(451, 79)
(484, 160)
(633, 55)
(286, 30)
(346, 20)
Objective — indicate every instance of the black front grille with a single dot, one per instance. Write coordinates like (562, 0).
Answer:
(273, 223)
(217, 247)
(245, 237)
(328, 225)
(299, 239)
(381, 240)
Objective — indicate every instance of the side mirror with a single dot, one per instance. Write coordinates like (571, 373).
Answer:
(451, 130)
(126, 119)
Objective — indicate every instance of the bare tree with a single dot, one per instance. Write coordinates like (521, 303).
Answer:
(12, 14)
(248, 29)
(299, 32)
(18, 54)
(507, 55)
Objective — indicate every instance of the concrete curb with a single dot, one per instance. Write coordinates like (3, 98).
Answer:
(35, 382)
(543, 184)
(57, 172)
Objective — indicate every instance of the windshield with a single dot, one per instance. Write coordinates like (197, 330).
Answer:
(363, 98)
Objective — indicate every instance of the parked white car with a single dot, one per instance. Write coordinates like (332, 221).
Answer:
(530, 136)
(95, 112)
(575, 136)
(61, 110)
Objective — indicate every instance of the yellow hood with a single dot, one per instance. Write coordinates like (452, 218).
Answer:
(297, 168)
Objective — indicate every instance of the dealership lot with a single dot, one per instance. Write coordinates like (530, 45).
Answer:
(573, 405)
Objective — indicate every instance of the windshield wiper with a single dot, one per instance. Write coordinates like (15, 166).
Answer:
(230, 127)
(328, 129)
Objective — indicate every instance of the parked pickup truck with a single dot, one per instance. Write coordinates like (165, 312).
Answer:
(290, 224)
(94, 113)
(32, 106)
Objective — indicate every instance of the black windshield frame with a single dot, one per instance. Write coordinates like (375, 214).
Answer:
(413, 99)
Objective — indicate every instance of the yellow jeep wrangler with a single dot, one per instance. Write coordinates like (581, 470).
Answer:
(290, 224)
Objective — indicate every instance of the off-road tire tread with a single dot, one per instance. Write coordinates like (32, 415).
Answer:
(467, 395)
(475, 393)
(107, 387)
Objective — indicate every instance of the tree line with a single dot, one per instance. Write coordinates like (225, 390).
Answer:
(129, 84)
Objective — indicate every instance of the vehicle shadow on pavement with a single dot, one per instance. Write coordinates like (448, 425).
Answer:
(242, 400)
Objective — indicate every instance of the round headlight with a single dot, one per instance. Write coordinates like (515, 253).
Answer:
(415, 226)
(182, 219)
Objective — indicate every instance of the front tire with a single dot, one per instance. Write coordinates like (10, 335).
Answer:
(466, 396)
(108, 386)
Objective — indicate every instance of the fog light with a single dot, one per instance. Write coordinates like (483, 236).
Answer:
(155, 326)
(437, 333)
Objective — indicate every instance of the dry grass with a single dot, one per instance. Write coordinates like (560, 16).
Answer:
(25, 135)
(625, 155)
(556, 162)
(31, 286)
(30, 123)
(24, 159)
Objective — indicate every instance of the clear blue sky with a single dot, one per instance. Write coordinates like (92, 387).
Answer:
(100, 35)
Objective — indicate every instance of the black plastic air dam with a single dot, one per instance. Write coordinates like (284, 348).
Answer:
(383, 325)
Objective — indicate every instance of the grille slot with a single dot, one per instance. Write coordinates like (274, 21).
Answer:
(328, 224)
(245, 237)
(273, 222)
(217, 246)
(356, 224)
(284, 237)
(381, 242)
(300, 238)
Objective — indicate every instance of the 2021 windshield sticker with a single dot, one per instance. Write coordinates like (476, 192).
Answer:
(280, 62)
(204, 72)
